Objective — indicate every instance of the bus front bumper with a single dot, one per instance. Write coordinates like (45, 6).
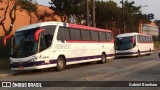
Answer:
(120, 54)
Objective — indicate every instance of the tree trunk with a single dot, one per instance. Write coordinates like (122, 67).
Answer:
(30, 16)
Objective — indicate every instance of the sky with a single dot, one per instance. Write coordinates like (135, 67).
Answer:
(148, 6)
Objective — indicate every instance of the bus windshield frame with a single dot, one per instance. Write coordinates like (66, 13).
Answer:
(125, 43)
(24, 43)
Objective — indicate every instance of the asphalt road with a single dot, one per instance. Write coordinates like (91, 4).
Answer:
(145, 68)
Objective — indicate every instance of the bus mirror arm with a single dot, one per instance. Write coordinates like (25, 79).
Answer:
(36, 34)
(5, 39)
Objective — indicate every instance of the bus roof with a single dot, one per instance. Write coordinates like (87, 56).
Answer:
(87, 28)
(131, 34)
(60, 24)
(41, 24)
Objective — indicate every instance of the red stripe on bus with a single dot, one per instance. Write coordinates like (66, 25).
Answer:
(87, 28)
(143, 34)
(78, 41)
(146, 43)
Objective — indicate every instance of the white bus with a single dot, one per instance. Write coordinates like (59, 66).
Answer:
(133, 44)
(57, 44)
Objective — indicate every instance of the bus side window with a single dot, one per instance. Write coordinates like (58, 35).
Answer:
(102, 36)
(151, 39)
(147, 39)
(138, 39)
(85, 34)
(94, 36)
(109, 36)
(63, 34)
(42, 43)
(75, 34)
(46, 41)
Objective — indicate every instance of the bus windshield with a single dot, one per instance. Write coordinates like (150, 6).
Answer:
(23, 44)
(125, 43)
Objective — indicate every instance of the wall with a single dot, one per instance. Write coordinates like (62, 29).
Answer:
(23, 18)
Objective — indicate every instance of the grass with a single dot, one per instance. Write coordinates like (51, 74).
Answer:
(4, 63)
(156, 45)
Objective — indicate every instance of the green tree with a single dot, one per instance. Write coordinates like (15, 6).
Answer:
(78, 11)
(63, 8)
(107, 14)
(133, 16)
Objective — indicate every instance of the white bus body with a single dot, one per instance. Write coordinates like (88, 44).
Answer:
(133, 44)
(59, 41)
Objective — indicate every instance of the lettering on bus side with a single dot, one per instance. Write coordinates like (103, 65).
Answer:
(62, 46)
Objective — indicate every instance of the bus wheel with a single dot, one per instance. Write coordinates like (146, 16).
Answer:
(60, 64)
(103, 59)
(138, 54)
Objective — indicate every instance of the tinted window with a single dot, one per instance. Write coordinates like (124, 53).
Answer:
(151, 39)
(102, 36)
(109, 36)
(141, 39)
(75, 34)
(63, 34)
(50, 29)
(46, 41)
(147, 39)
(144, 39)
(47, 35)
(138, 40)
(94, 36)
(85, 35)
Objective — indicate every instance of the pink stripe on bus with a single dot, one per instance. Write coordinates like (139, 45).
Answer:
(143, 34)
(87, 28)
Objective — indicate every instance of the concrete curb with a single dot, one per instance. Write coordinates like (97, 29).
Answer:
(6, 73)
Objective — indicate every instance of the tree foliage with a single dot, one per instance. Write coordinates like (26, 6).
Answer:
(109, 15)
(133, 16)
(63, 8)
(106, 14)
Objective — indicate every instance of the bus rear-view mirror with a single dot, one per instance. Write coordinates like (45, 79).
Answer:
(5, 39)
(132, 39)
(36, 34)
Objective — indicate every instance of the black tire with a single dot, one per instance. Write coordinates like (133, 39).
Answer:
(103, 59)
(60, 64)
(138, 54)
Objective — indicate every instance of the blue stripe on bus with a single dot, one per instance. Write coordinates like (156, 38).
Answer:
(37, 63)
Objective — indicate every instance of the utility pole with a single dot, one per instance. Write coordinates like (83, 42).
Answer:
(123, 25)
(87, 13)
(93, 13)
